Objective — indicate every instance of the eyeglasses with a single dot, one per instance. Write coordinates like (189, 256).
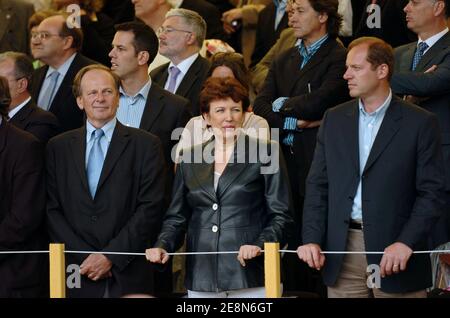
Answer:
(164, 30)
(43, 35)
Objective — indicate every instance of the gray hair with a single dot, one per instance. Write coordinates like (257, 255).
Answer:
(23, 67)
(194, 20)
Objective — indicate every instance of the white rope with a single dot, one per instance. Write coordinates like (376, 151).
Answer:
(213, 253)
(365, 252)
(24, 252)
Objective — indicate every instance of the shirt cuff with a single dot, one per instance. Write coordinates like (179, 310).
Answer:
(290, 123)
(278, 103)
(289, 140)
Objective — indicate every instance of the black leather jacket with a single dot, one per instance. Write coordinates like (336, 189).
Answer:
(249, 207)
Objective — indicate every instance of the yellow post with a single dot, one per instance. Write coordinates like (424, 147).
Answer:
(272, 270)
(57, 271)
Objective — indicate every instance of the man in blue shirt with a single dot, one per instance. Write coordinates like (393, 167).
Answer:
(105, 191)
(375, 185)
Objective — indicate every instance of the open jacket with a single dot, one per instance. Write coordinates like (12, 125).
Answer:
(251, 206)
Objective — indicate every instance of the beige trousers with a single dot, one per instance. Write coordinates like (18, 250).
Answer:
(352, 280)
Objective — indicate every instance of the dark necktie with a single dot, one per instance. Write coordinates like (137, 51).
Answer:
(420, 49)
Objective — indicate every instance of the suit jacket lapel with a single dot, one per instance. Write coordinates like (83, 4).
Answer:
(190, 78)
(66, 85)
(118, 144)
(204, 171)
(78, 148)
(22, 114)
(389, 127)
(38, 80)
(153, 106)
(317, 58)
(426, 60)
(351, 129)
(293, 63)
(407, 58)
(231, 172)
(164, 76)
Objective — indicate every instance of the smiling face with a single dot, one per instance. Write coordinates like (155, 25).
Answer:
(99, 97)
(225, 116)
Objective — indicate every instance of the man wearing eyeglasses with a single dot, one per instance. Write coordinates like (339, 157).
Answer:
(23, 113)
(57, 44)
(180, 38)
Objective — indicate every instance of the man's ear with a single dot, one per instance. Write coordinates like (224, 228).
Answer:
(323, 17)
(80, 102)
(439, 8)
(383, 71)
(143, 57)
(23, 84)
(191, 38)
(68, 42)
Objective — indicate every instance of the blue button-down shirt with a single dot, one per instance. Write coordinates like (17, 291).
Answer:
(105, 140)
(131, 108)
(369, 124)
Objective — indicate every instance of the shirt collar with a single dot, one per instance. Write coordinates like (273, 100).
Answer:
(315, 46)
(380, 111)
(62, 70)
(432, 40)
(16, 109)
(185, 64)
(108, 129)
(143, 91)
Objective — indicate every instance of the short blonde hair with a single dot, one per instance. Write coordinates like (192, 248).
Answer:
(76, 88)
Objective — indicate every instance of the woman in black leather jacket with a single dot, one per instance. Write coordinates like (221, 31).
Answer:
(230, 194)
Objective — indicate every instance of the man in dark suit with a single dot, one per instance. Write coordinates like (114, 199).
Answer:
(22, 208)
(144, 104)
(17, 68)
(375, 185)
(422, 73)
(14, 33)
(302, 83)
(180, 39)
(105, 191)
(57, 45)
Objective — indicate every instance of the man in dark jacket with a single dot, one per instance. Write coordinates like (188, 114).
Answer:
(376, 184)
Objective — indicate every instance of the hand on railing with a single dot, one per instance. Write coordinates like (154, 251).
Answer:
(247, 252)
(156, 255)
